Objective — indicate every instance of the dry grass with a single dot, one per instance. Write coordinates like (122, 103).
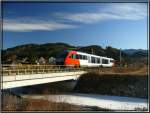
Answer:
(13, 103)
(120, 84)
(44, 105)
(123, 70)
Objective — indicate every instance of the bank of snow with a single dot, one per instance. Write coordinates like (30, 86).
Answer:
(102, 101)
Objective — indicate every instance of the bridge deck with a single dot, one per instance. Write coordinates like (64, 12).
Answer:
(25, 75)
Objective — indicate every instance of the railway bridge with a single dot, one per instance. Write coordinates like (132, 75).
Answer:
(26, 75)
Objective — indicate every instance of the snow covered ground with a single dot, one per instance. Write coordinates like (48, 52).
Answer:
(102, 101)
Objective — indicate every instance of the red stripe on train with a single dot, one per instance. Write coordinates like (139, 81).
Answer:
(69, 60)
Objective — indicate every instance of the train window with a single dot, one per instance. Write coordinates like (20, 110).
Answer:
(77, 56)
(80, 56)
(93, 59)
(84, 57)
(73, 56)
(111, 61)
(105, 61)
(98, 60)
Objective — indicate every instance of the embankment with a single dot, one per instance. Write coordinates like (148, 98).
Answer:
(113, 84)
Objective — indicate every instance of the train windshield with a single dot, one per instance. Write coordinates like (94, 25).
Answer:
(62, 54)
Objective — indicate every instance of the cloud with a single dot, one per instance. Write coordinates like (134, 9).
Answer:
(115, 11)
(128, 11)
(25, 26)
(110, 11)
(88, 17)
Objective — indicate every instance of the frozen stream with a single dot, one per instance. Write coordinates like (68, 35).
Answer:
(102, 101)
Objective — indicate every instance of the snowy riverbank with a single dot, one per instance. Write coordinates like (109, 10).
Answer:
(91, 100)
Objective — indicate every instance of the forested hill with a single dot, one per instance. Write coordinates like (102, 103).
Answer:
(135, 52)
(38, 50)
(48, 50)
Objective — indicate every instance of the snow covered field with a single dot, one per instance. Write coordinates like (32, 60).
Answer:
(102, 101)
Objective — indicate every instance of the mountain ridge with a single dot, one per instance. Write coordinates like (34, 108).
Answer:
(34, 51)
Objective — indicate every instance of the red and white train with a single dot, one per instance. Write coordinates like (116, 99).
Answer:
(81, 59)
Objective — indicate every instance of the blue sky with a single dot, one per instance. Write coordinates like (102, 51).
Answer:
(120, 25)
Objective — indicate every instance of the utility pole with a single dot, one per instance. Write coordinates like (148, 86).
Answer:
(120, 57)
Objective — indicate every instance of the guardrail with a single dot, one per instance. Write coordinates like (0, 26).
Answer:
(11, 69)
(37, 69)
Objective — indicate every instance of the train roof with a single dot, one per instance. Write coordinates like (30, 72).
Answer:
(83, 53)
(93, 55)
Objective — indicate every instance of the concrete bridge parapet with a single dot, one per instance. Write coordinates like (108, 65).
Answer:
(13, 81)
